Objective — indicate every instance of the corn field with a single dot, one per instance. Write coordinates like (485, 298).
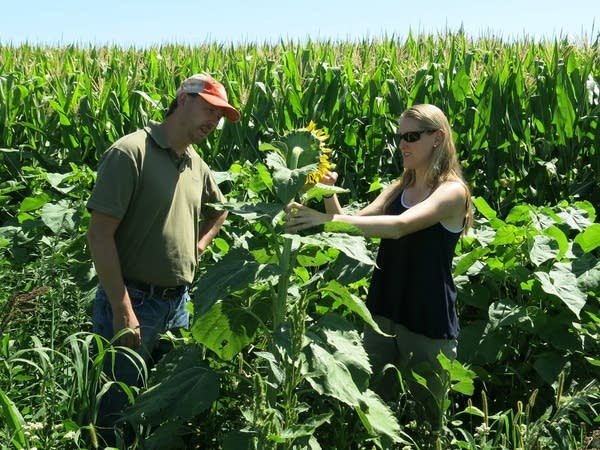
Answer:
(525, 114)
(526, 121)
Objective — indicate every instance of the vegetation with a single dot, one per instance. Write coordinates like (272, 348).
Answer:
(274, 357)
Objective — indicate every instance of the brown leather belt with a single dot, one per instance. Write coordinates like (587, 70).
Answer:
(159, 291)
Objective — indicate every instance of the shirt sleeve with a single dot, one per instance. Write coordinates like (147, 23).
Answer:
(115, 184)
(211, 194)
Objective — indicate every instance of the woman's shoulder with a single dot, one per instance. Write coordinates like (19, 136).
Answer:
(451, 195)
(453, 188)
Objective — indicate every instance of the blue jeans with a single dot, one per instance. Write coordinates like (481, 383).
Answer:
(156, 316)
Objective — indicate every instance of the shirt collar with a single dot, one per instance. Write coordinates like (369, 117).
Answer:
(157, 135)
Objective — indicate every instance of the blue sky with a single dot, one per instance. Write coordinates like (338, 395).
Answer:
(146, 23)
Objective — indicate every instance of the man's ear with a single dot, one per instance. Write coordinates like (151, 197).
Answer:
(182, 98)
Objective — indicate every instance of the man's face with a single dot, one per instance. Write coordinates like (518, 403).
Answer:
(200, 116)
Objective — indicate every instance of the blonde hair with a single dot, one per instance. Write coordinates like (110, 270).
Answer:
(443, 164)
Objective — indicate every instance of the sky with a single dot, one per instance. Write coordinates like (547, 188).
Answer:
(148, 23)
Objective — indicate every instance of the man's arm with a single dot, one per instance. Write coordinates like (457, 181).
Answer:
(101, 239)
(210, 228)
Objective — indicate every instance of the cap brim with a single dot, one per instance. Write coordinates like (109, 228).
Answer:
(232, 114)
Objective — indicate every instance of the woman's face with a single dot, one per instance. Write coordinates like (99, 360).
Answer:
(414, 143)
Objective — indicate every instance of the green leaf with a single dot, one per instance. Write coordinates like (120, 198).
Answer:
(186, 387)
(237, 270)
(318, 191)
(338, 364)
(481, 343)
(561, 239)
(502, 313)
(589, 239)
(507, 234)
(341, 336)
(474, 411)
(169, 435)
(484, 208)
(268, 147)
(251, 212)
(466, 261)
(287, 183)
(519, 214)
(264, 176)
(461, 378)
(549, 365)
(63, 117)
(154, 102)
(226, 328)
(274, 364)
(239, 440)
(55, 180)
(588, 208)
(221, 177)
(484, 234)
(352, 302)
(13, 419)
(352, 246)
(542, 248)
(562, 283)
(578, 219)
(33, 203)
(307, 428)
(59, 216)
(587, 271)
(378, 418)
(303, 148)
(593, 361)
(328, 376)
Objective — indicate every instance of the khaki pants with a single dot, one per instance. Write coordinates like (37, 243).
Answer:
(408, 352)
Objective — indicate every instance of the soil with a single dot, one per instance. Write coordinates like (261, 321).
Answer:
(592, 442)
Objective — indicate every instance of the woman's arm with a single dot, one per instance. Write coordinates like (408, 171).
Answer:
(446, 203)
(376, 207)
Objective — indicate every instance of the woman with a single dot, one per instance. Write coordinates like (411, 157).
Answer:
(420, 218)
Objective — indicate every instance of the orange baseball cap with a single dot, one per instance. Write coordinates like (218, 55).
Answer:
(211, 91)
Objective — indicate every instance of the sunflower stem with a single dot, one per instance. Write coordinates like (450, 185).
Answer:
(282, 286)
(295, 156)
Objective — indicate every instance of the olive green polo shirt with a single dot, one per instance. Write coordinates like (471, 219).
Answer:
(160, 200)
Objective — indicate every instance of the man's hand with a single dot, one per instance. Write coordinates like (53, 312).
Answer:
(126, 318)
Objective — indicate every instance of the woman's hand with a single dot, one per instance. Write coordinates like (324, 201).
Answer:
(300, 217)
(329, 178)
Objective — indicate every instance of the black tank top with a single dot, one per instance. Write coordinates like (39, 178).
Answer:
(412, 284)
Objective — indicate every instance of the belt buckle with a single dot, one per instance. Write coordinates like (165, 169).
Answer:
(169, 292)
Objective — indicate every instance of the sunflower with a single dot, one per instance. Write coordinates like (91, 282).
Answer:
(298, 160)
(324, 164)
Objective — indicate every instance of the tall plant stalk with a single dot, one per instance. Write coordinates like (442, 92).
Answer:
(279, 305)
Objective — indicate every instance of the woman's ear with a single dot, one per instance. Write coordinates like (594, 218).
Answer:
(438, 138)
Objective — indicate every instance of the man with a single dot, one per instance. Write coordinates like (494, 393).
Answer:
(149, 223)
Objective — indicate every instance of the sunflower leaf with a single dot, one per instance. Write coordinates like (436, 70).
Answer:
(318, 191)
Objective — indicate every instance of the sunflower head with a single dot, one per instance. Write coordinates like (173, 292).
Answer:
(299, 159)
(320, 155)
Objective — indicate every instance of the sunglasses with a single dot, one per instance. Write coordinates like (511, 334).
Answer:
(411, 136)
